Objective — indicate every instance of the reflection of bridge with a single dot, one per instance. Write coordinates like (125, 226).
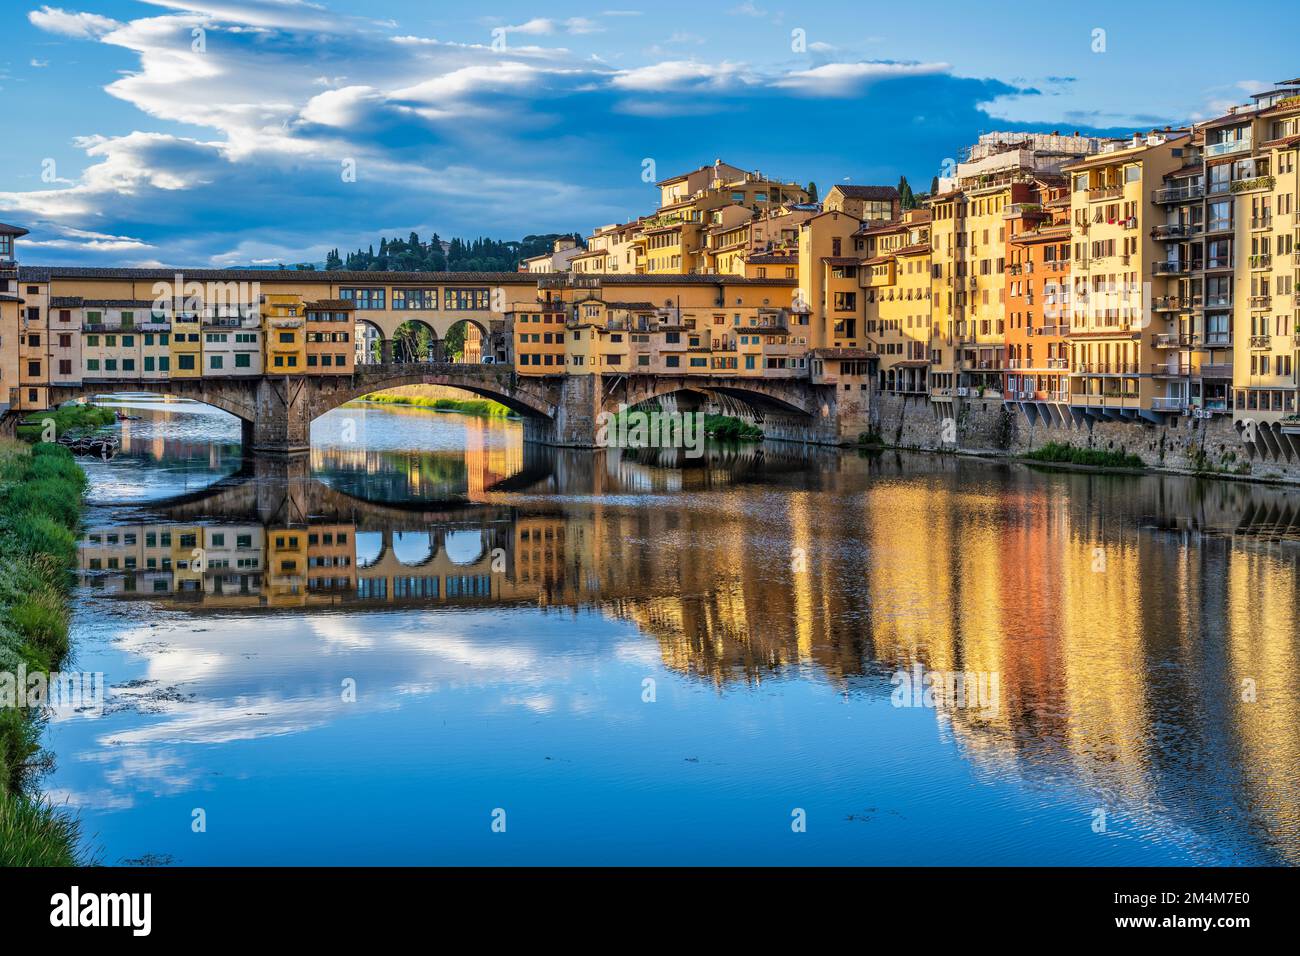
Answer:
(277, 412)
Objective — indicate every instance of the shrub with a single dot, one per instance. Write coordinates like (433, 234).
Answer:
(1060, 452)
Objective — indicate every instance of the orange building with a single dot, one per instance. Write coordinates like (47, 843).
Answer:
(1036, 358)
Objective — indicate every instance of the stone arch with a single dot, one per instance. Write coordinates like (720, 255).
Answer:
(484, 381)
(415, 341)
(233, 401)
(758, 400)
(472, 353)
(372, 347)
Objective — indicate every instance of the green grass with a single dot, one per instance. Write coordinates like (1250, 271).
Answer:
(41, 488)
(1060, 452)
(74, 418)
(482, 407)
(731, 429)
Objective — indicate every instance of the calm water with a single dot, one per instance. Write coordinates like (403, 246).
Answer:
(504, 612)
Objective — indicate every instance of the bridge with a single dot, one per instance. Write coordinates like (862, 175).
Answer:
(564, 410)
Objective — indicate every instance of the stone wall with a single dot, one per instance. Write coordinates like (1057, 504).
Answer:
(1181, 444)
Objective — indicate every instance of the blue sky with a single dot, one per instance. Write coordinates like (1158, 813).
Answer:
(216, 132)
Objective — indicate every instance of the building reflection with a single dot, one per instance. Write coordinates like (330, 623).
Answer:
(1145, 630)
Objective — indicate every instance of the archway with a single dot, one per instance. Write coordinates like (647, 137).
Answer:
(415, 341)
(467, 342)
(370, 343)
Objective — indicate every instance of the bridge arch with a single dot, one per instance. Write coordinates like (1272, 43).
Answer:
(757, 401)
(242, 407)
(528, 399)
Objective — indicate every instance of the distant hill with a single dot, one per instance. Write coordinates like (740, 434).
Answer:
(438, 255)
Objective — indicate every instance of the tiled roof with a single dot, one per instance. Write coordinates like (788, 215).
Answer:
(76, 302)
(868, 192)
(8, 230)
(342, 277)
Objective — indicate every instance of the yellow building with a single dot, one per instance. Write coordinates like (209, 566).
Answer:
(896, 284)
(1115, 201)
(828, 296)
(284, 332)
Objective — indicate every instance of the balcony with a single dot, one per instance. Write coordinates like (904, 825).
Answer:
(1261, 341)
(1176, 403)
(1261, 261)
(1105, 192)
(1171, 370)
(1176, 194)
(1261, 301)
(1227, 148)
(1250, 185)
(1181, 267)
(1220, 300)
(1216, 370)
(1177, 230)
(1261, 222)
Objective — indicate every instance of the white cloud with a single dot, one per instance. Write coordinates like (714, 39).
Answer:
(80, 25)
(683, 75)
(847, 79)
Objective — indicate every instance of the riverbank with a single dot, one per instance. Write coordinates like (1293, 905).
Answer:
(481, 407)
(65, 418)
(41, 490)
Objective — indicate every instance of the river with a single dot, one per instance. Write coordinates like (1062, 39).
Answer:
(431, 643)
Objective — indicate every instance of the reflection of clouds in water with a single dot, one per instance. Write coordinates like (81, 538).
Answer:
(412, 547)
(102, 800)
(232, 672)
(463, 547)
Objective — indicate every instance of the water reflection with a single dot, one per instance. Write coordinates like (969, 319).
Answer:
(1144, 630)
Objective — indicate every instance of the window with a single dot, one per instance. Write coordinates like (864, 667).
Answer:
(465, 300)
(216, 361)
(286, 337)
(243, 360)
(185, 363)
(364, 298)
(422, 299)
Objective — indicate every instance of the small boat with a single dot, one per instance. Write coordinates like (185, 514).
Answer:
(123, 417)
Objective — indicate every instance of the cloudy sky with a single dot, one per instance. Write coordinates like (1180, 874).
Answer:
(221, 132)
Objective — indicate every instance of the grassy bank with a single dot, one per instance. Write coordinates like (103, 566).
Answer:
(733, 429)
(1059, 452)
(466, 406)
(40, 508)
(66, 418)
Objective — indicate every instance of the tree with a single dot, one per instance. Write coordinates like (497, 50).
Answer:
(934, 187)
(905, 195)
(811, 189)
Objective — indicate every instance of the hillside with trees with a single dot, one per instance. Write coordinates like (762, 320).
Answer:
(459, 255)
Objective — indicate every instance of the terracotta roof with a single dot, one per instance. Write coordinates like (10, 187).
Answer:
(841, 260)
(917, 248)
(867, 192)
(773, 258)
(340, 304)
(841, 353)
(342, 277)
